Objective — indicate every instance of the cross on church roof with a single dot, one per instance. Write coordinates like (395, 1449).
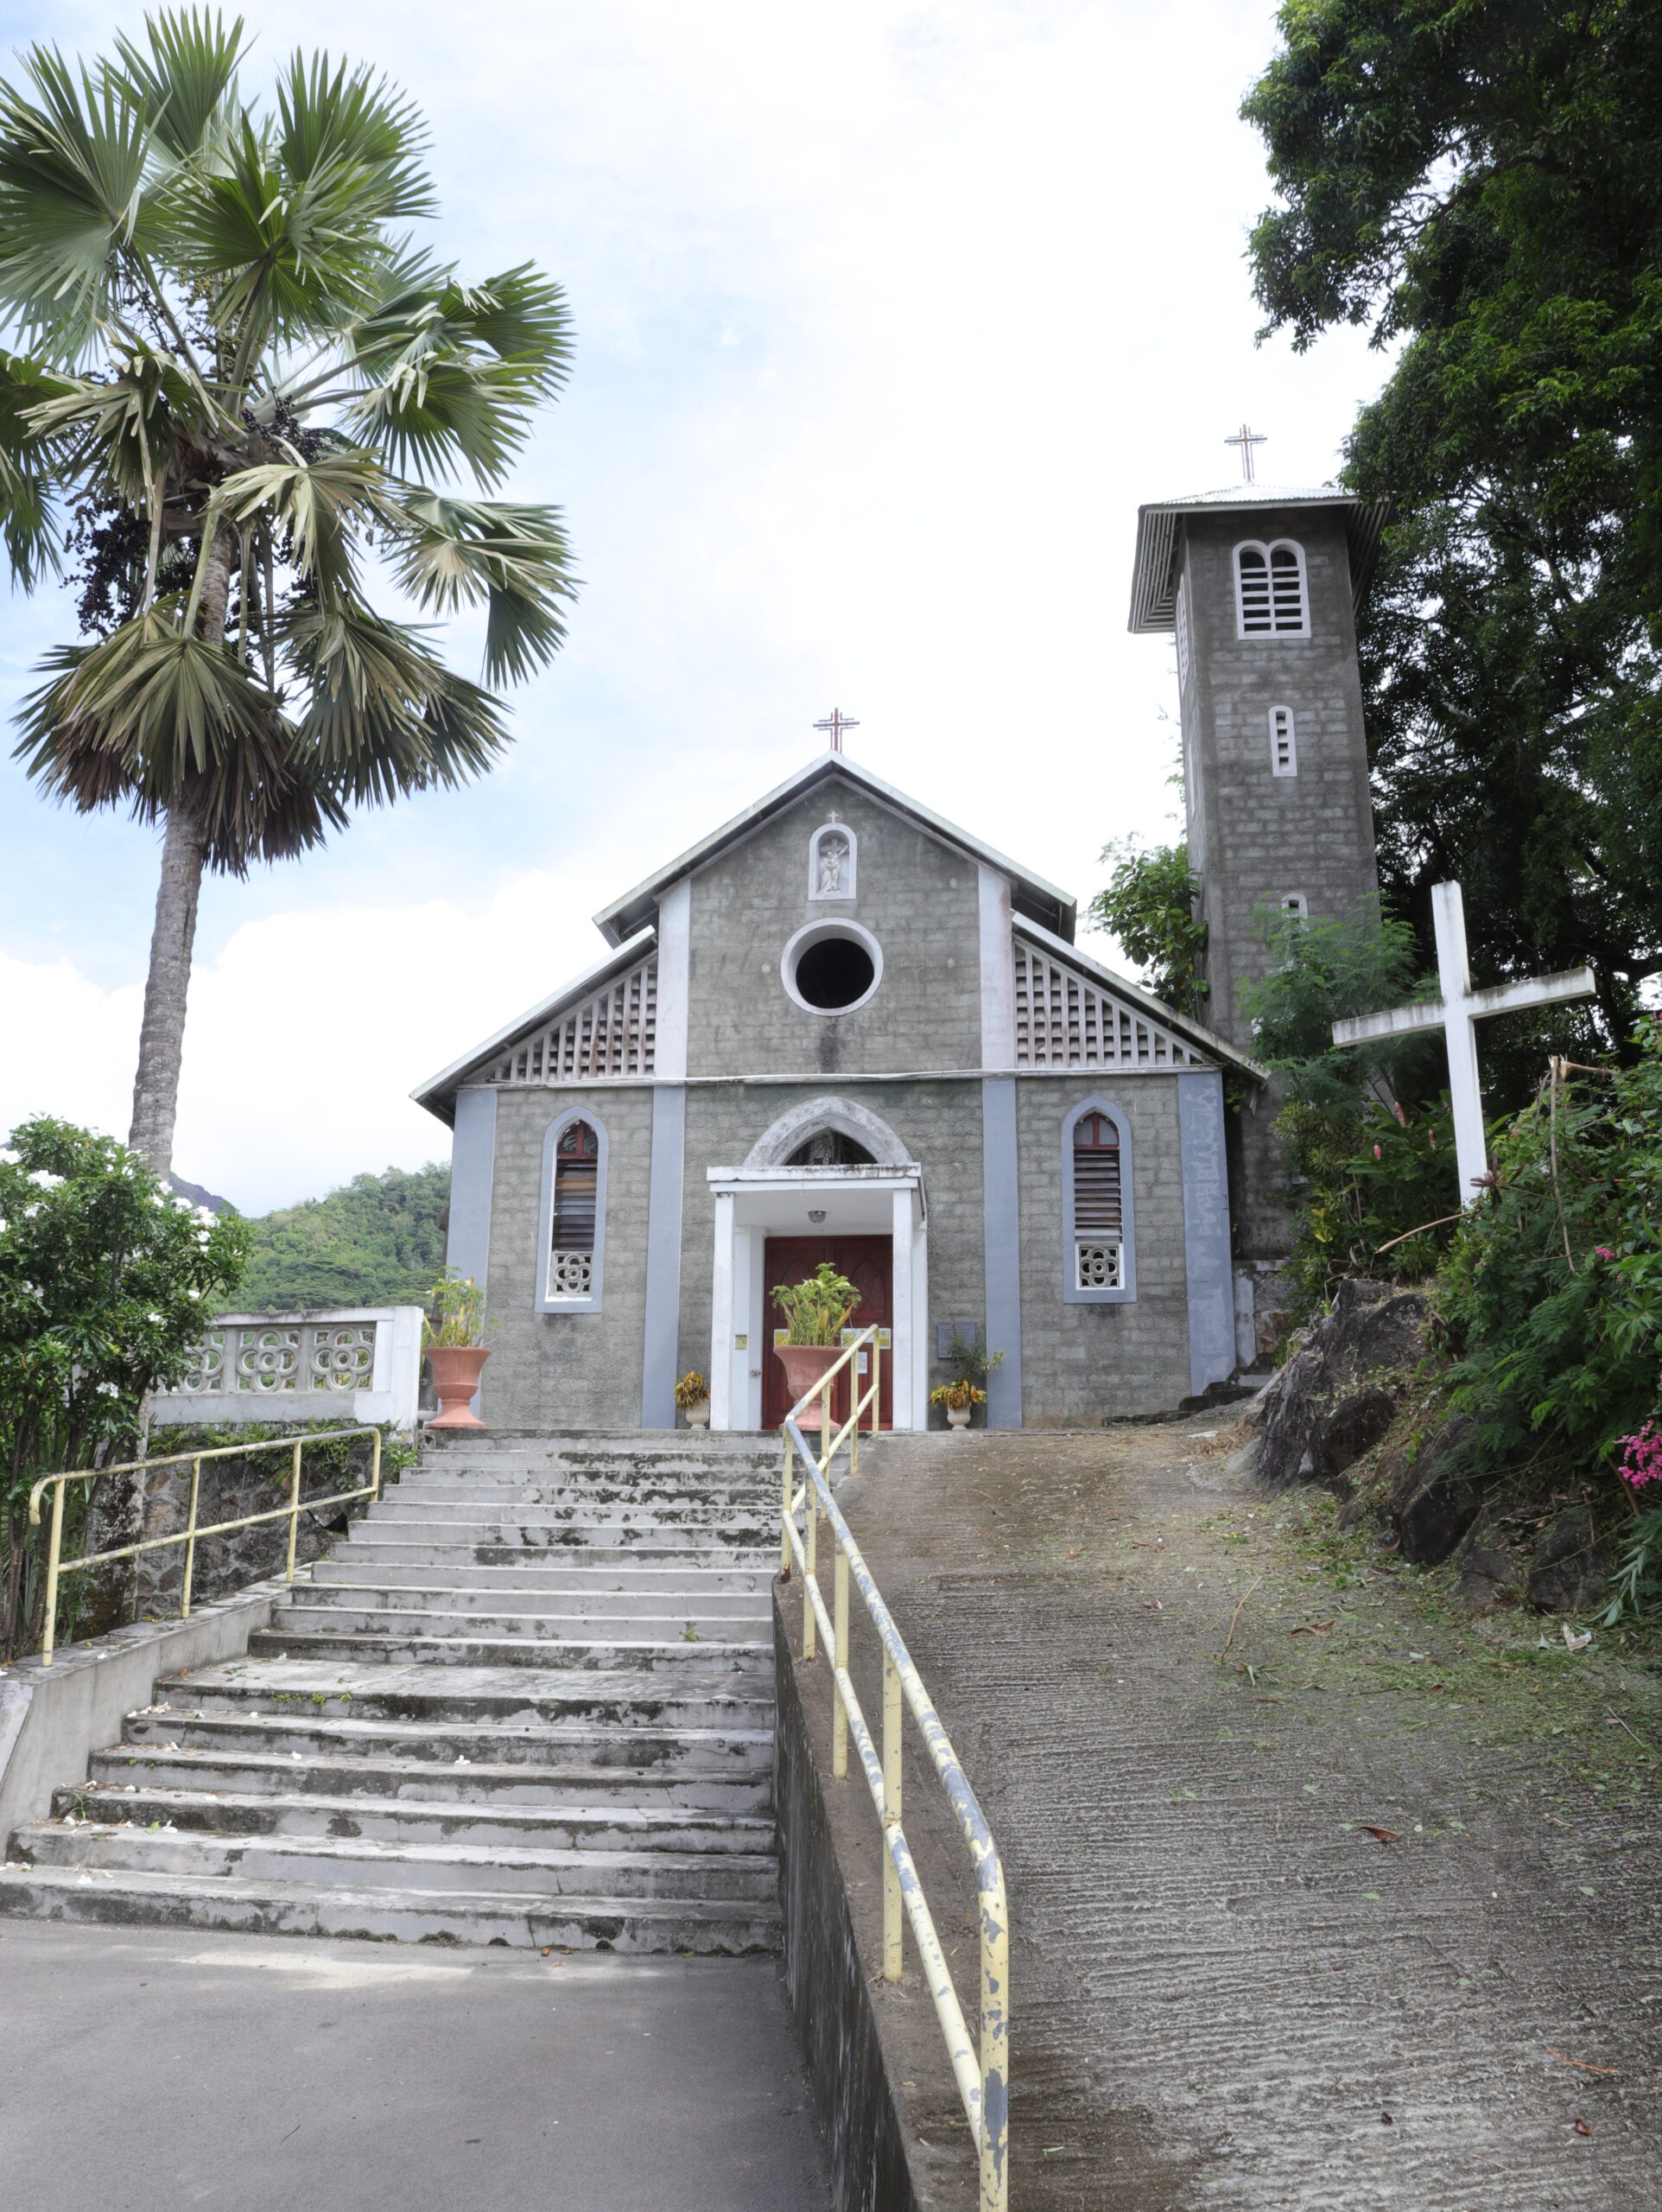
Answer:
(1246, 439)
(834, 724)
(1457, 1014)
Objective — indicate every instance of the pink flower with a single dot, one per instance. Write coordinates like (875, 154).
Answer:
(1641, 1462)
(1602, 1252)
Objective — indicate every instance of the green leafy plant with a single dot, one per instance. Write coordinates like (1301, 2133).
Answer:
(968, 1361)
(107, 1279)
(691, 1390)
(816, 1311)
(455, 1318)
(1149, 904)
(958, 1395)
(233, 366)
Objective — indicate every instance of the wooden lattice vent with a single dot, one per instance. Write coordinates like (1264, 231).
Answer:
(1062, 1021)
(613, 1032)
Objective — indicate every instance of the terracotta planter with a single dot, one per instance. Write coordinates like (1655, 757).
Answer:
(455, 1377)
(958, 1416)
(697, 1416)
(804, 1365)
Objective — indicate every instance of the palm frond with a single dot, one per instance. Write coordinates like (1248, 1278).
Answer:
(29, 475)
(386, 717)
(72, 161)
(341, 124)
(523, 317)
(187, 79)
(513, 560)
(316, 502)
(156, 719)
(128, 427)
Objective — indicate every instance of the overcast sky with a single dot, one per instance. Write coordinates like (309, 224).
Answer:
(888, 316)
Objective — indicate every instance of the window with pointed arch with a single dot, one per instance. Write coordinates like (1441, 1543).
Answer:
(1271, 598)
(1098, 1254)
(572, 1233)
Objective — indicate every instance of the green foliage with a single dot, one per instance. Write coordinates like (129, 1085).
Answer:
(1320, 972)
(969, 1360)
(1148, 903)
(818, 1309)
(1552, 1294)
(691, 1389)
(1485, 184)
(377, 1241)
(455, 1314)
(105, 1279)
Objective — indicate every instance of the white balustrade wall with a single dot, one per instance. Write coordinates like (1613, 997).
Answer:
(362, 1364)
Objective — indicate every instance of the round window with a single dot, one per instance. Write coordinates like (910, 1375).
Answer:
(832, 966)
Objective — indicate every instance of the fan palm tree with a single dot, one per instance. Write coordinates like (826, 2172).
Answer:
(230, 361)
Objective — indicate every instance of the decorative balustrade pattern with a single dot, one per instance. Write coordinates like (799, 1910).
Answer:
(273, 1357)
(1063, 1021)
(613, 1033)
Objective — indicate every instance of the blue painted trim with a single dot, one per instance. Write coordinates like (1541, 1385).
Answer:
(473, 1169)
(1126, 1294)
(1001, 1217)
(541, 1303)
(1206, 1257)
(661, 1349)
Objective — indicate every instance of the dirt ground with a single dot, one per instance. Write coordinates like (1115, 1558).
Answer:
(1324, 1894)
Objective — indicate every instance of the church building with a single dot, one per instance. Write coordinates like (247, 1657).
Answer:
(841, 1027)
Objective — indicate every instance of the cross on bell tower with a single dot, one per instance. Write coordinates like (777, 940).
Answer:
(834, 724)
(1246, 439)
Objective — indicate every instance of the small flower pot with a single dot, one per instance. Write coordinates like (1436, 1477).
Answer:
(958, 1417)
(455, 1378)
(804, 1366)
(697, 1416)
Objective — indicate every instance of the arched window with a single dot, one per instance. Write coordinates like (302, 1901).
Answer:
(1098, 1261)
(1271, 599)
(573, 1216)
(1284, 745)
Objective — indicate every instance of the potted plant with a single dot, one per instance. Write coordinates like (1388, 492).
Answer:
(959, 1399)
(968, 1363)
(693, 1396)
(816, 1311)
(453, 1336)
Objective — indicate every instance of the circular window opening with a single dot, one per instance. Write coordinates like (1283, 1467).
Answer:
(833, 973)
(832, 966)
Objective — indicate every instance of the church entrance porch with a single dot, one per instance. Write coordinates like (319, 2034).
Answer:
(868, 1263)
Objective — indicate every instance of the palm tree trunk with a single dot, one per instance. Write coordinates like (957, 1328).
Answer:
(162, 1037)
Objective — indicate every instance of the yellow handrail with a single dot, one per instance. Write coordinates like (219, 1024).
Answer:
(983, 2078)
(57, 1565)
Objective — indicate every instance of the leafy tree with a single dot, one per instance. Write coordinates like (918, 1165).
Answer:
(1482, 181)
(105, 1277)
(1148, 903)
(229, 357)
(379, 1241)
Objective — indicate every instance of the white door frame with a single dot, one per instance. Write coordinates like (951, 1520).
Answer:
(751, 1205)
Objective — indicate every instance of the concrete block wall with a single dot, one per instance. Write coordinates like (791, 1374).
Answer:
(1086, 1364)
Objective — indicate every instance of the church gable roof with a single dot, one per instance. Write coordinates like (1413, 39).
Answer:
(1030, 894)
(1071, 1011)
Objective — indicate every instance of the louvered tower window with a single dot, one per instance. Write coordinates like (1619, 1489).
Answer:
(1270, 595)
(1283, 749)
(576, 1201)
(1098, 1225)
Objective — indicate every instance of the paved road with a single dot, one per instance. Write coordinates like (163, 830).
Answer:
(147, 2070)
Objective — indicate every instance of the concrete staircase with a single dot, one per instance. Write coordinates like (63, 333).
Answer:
(529, 1700)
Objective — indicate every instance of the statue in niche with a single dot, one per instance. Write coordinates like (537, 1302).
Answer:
(833, 859)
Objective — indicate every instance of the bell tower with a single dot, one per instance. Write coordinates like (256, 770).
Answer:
(1261, 586)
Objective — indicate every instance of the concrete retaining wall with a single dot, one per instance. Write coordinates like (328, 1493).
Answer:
(826, 1982)
(52, 1718)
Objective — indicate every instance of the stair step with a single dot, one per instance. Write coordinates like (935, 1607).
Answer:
(447, 1777)
(652, 1585)
(682, 1658)
(339, 1689)
(635, 1750)
(711, 1928)
(500, 1535)
(420, 1549)
(603, 1616)
(514, 1510)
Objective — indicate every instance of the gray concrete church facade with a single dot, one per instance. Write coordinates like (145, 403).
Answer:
(840, 1027)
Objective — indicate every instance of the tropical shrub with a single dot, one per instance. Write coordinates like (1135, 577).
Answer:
(817, 1310)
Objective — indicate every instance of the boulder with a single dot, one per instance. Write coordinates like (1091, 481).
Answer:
(1356, 1424)
(1341, 1387)
(1490, 1570)
(1570, 1570)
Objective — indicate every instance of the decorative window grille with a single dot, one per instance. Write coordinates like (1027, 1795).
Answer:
(1098, 1221)
(576, 1200)
(613, 1033)
(1183, 633)
(1062, 1021)
(1271, 599)
(1283, 749)
(267, 1359)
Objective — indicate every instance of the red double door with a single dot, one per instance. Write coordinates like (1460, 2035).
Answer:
(868, 1263)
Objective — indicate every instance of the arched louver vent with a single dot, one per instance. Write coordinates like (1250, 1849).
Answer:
(612, 1033)
(1098, 1211)
(1270, 590)
(1062, 1021)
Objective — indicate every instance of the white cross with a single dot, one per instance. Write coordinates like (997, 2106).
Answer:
(1457, 1014)
(1246, 439)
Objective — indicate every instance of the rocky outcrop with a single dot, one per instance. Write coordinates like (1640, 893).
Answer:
(1343, 1386)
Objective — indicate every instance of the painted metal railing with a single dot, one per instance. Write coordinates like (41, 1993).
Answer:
(57, 1565)
(983, 2076)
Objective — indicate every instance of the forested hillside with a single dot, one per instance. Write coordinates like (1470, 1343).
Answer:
(379, 1240)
